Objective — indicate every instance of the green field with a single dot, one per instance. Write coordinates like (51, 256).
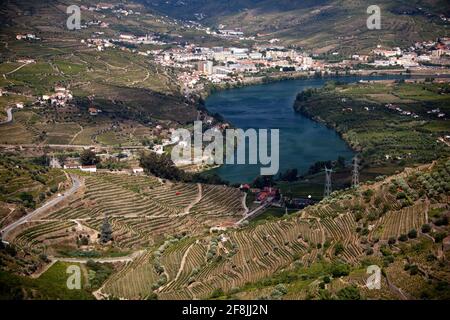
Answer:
(385, 138)
(52, 285)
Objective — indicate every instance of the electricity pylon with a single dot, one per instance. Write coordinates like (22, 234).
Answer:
(355, 177)
(327, 191)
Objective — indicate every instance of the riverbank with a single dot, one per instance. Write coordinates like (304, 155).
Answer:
(266, 89)
(389, 124)
(302, 141)
(302, 75)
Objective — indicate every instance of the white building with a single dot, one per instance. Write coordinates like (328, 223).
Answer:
(90, 169)
(138, 170)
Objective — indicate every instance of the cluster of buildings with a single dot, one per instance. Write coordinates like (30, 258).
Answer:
(60, 98)
(393, 107)
(103, 43)
(222, 64)
(437, 112)
(117, 9)
(28, 37)
(426, 52)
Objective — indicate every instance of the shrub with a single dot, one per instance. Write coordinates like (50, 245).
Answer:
(349, 293)
(426, 228)
(403, 237)
(439, 236)
(443, 221)
(412, 234)
(338, 249)
(217, 293)
(340, 270)
(282, 288)
(152, 296)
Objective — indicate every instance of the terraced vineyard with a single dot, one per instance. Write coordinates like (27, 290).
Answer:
(396, 223)
(195, 268)
(25, 185)
(143, 210)
(181, 261)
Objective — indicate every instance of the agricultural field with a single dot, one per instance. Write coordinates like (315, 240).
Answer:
(383, 222)
(392, 124)
(121, 83)
(138, 236)
(25, 185)
(142, 212)
(51, 285)
(320, 252)
(319, 26)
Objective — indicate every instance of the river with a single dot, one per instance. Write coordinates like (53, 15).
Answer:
(270, 106)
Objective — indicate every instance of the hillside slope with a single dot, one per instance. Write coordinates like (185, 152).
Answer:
(125, 84)
(321, 25)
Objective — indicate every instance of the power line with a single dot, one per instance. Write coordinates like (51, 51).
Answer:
(355, 176)
(327, 191)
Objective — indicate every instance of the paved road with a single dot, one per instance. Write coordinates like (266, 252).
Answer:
(9, 116)
(254, 213)
(72, 146)
(17, 69)
(128, 258)
(76, 184)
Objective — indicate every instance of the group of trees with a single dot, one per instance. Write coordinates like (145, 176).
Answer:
(290, 175)
(163, 167)
(89, 158)
(319, 165)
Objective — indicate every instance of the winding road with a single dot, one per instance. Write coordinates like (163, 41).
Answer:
(254, 213)
(129, 258)
(9, 116)
(76, 184)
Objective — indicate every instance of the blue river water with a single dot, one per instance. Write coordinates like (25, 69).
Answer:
(270, 106)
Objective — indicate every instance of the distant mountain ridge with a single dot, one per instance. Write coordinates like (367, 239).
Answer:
(322, 25)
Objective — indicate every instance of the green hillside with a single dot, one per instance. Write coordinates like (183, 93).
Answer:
(321, 25)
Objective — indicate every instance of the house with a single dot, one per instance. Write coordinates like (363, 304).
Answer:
(159, 149)
(94, 111)
(54, 163)
(60, 89)
(71, 164)
(217, 229)
(91, 169)
(138, 170)
(19, 105)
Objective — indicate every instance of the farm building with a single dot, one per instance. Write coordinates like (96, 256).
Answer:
(88, 168)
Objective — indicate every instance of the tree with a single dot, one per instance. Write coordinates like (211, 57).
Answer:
(340, 270)
(105, 231)
(426, 228)
(161, 166)
(349, 293)
(338, 249)
(290, 175)
(89, 158)
(412, 234)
